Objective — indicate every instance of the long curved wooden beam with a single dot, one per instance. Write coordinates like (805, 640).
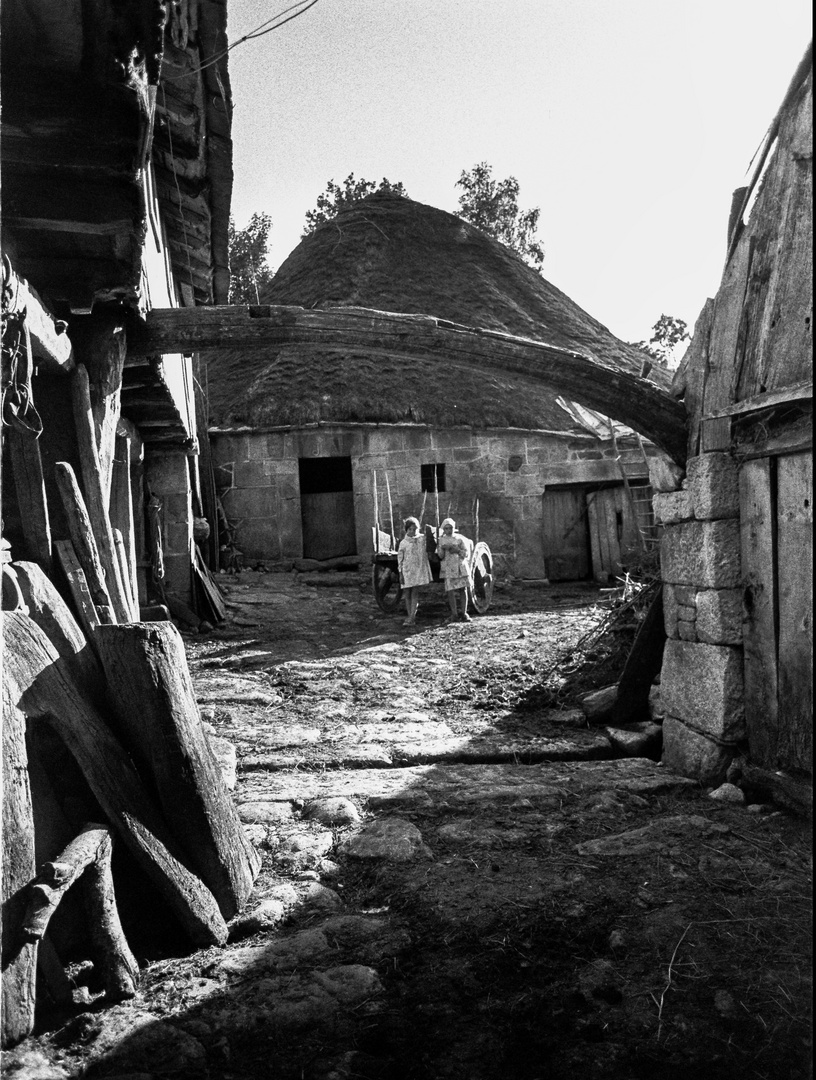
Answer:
(642, 403)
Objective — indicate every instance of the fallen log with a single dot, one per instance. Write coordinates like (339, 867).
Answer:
(19, 957)
(89, 852)
(41, 686)
(146, 662)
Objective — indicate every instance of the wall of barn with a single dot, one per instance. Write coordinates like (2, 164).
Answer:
(508, 471)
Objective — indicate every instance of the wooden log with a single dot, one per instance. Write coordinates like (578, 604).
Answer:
(82, 534)
(84, 607)
(19, 957)
(614, 388)
(146, 663)
(124, 570)
(122, 518)
(89, 852)
(41, 686)
(97, 492)
(29, 484)
(49, 341)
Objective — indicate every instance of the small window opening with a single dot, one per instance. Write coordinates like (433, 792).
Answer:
(433, 477)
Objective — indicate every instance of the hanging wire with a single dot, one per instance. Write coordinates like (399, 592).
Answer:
(258, 32)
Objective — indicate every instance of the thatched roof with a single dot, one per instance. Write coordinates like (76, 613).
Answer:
(393, 254)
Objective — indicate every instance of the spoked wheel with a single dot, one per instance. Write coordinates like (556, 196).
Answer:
(481, 592)
(387, 588)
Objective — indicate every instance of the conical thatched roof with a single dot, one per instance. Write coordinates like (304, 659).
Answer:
(393, 254)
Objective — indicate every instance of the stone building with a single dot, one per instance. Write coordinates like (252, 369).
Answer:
(303, 439)
(737, 554)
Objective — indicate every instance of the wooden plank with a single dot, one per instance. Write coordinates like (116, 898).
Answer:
(96, 493)
(18, 868)
(84, 607)
(802, 391)
(795, 569)
(122, 517)
(757, 544)
(565, 535)
(618, 391)
(29, 485)
(724, 342)
(82, 535)
(598, 571)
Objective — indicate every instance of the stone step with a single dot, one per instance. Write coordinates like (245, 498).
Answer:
(463, 785)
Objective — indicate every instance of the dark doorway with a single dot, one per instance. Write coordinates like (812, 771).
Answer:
(327, 507)
(566, 535)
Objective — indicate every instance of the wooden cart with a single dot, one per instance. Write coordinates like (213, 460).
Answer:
(388, 591)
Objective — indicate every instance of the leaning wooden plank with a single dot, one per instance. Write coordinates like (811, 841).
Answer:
(19, 957)
(124, 570)
(82, 534)
(121, 515)
(50, 612)
(598, 570)
(90, 851)
(642, 664)
(42, 687)
(146, 662)
(96, 492)
(27, 471)
(84, 606)
(757, 529)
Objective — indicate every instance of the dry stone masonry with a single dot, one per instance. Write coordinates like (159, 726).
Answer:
(702, 678)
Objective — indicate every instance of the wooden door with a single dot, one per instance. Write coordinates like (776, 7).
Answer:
(613, 532)
(776, 507)
(566, 535)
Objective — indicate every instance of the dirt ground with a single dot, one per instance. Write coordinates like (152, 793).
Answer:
(462, 879)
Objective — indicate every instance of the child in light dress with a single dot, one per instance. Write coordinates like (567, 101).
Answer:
(454, 551)
(414, 568)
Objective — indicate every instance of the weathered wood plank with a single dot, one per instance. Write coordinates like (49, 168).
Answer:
(49, 341)
(96, 493)
(19, 959)
(795, 562)
(757, 528)
(598, 570)
(643, 404)
(146, 663)
(84, 606)
(29, 485)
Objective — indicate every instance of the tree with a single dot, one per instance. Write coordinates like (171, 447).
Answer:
(249, 250)
(337, 197)
(492, 206)
(667, 334)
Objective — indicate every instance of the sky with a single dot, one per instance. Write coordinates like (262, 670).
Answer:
(628, 122)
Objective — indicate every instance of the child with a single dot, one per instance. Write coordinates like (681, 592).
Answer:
(414, 568)
(454, 551)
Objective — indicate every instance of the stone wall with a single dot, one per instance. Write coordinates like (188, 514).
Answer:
(702, 676)
(507, 470)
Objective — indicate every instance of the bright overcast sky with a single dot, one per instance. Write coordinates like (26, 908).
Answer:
(628, 122)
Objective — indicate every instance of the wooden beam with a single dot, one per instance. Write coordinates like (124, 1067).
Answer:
(614, 391)
(49, 340)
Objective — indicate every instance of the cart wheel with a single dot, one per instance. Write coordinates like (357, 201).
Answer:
(481, 592)
(387, 588)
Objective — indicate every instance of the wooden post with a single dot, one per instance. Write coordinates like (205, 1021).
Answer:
(41, 687)
(27, 471)
(82, 535)
(376, 515)
(122, 518)
(390, 511)
(100, 345)
(97, 492)
(19, 957)
(146, 663)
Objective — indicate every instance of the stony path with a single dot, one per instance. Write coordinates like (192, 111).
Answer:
(457, 884)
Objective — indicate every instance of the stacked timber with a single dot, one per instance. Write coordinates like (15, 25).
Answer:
(103, 745)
